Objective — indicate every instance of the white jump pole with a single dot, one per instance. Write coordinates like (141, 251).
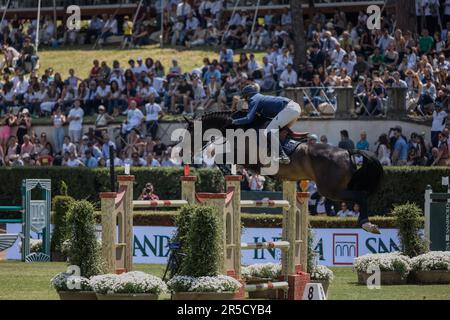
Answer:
(4, 12)
(37, 25)
(161, 36)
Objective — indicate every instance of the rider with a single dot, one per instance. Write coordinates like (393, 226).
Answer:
(283, 112)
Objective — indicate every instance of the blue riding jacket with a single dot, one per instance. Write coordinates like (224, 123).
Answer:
(267, 106)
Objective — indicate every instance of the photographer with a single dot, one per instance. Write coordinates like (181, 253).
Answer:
(147, 193)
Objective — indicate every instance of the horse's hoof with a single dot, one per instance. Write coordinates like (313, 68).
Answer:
(370, 227)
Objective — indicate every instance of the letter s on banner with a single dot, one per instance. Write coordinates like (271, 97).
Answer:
(74, 20)
(374, 19)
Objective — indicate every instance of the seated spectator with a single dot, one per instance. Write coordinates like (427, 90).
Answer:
(345, 211)
(89, 160)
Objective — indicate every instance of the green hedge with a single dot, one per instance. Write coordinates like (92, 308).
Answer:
(401, 184)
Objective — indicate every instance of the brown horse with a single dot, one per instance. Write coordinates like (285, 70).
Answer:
(331, 168)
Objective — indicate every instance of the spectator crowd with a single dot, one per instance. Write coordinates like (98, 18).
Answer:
(341, 52)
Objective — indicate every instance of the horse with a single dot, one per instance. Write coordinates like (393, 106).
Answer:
(333, 169)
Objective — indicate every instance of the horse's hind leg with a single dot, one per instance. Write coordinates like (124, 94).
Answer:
(359, 197)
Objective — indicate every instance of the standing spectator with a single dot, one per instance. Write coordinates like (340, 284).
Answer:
(363, 144)
(75, 119)
(438, 124)
(24, 125)
(443, 156)
(153, 112)
(383, 150)
(346, 143)
(58, 119)
(400, 153)
(134, 118)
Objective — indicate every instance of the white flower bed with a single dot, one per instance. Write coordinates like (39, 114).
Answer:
(67, 282)
(262, 270)
(322, 273)
(393, 261)
(433, 260)
(203, 284)
(35, 245)
(131, 282)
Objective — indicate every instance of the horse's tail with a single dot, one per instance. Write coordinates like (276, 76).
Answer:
(368, 177)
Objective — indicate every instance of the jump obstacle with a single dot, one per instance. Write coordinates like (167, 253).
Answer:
(117, 248)
(35, 216)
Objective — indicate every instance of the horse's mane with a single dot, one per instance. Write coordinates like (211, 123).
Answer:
(216, 116)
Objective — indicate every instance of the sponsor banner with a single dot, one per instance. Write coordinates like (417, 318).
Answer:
(334, 247)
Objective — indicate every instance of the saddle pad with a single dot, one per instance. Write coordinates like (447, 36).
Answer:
(290, 145)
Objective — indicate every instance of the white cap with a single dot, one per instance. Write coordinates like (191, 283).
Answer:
(25, 110)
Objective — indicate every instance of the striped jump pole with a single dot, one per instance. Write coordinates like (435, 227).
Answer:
(294, 236)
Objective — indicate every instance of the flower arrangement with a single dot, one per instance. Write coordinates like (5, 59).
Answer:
(35, 245)
(322, 273)
(203, 284)
(393, 261)
(262, 270)
(433, 260)
(67, 282)
(131, 282)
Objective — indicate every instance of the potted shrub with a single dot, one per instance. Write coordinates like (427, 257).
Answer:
(83, 249)
(197, 277)
(70, 287)
(203, 288)
(394, 267)
(323, 275)
(431, 268)
(408, 220)
(261, 273)
(134, 285)
(61, 205)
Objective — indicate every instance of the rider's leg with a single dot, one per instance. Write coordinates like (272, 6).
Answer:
(287, 116)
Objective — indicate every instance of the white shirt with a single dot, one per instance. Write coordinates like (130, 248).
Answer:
(216, 6)
(288, 78)
(447, 8)
(139, 68)
(21, 87)
(349, 66)
(112, 25)
(183, 9)
(192, 24)
(73, 163)
(438, 123)
(283, 61)
(346, 213)
(76, 125)
(134, 117)
(152, 111)
(337, 56)
(103, 92)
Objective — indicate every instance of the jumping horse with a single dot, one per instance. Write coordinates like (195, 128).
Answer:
(333, 169)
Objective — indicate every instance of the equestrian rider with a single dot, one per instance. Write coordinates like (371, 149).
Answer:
(283, 112)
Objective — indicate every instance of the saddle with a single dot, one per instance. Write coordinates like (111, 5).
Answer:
(297, 136)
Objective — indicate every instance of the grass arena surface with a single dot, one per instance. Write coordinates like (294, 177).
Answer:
(31, 281)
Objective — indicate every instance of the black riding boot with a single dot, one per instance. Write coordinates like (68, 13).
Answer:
(282, 156)
(284, 159)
